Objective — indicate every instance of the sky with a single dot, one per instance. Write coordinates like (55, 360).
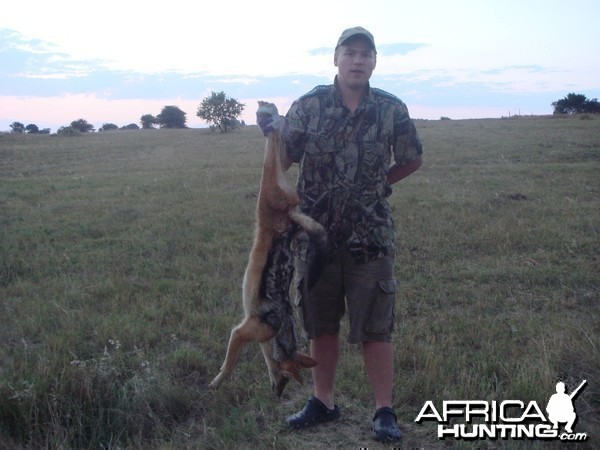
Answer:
(114, 61)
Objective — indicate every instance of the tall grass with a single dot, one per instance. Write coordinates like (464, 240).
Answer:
(121, 257)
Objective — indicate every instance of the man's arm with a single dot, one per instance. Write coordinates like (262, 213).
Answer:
(398, 172)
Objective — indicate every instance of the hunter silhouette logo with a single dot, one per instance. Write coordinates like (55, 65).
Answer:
(560, 407)
(508, 419)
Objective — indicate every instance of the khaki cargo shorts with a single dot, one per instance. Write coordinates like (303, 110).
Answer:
(367, 290)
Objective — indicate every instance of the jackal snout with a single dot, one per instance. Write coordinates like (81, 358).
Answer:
(290, 369)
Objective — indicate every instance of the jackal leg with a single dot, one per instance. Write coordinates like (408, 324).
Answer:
(267, 351)
(250, 330)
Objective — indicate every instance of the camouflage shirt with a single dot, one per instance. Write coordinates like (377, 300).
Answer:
(344, 158)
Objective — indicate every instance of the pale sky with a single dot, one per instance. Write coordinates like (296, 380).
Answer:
(114, 61)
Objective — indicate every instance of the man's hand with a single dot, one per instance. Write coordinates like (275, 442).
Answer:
(268, 119)
(397, 172)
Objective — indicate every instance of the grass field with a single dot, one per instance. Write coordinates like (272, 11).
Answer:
(121, 258)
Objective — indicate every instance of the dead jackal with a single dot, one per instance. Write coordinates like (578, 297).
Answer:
(268, 316)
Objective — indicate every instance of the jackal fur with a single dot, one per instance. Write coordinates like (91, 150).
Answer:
(268, 316)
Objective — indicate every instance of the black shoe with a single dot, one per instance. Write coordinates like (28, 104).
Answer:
(315, 412)
(385, 426)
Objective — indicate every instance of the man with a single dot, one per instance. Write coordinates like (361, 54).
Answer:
(344, 136)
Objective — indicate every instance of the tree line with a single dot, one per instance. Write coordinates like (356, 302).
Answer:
(32, 128)
(221, 112)
(218, 110)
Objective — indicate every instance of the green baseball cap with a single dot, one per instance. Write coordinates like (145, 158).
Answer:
(356, 31)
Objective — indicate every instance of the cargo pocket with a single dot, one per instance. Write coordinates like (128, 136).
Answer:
(381, 319)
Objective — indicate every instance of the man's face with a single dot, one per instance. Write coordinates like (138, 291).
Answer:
(355, 60)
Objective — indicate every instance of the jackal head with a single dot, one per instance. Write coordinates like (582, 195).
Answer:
(289, 369)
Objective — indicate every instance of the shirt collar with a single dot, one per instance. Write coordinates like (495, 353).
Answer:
(367, 99)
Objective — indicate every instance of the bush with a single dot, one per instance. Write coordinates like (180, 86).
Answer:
(68, 131)
(108, 127)
(171, 117)
(82, 125)
(147, 121)
(32, 128)
(131, 126)
(17, 127)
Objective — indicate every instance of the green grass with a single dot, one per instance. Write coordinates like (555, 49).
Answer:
(121, 258)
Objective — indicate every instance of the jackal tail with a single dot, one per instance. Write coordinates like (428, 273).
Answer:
(319, 253)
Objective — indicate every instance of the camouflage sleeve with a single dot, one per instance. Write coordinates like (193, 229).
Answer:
(407, 143)
(295, 140)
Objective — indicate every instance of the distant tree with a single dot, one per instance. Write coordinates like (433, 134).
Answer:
(131, 126)
(108, 127)
(82, 125)
(148, 121)
(68, 131)
(221, 111)
(171, 117)
(576, 103)
(17, 127)
(593, 106)
(45, 131)
(32, 128)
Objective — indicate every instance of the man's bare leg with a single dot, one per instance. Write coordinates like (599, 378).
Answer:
(325, 349)
(379, 362)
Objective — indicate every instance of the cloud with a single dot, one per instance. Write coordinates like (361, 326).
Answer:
(241, 80)
(527, 68)
(27, 68)
(321, 51)
(39, 84)
(13, 39)
(33, 58)
(399, 48)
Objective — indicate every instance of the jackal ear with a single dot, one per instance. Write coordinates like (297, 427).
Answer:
(305, 360)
